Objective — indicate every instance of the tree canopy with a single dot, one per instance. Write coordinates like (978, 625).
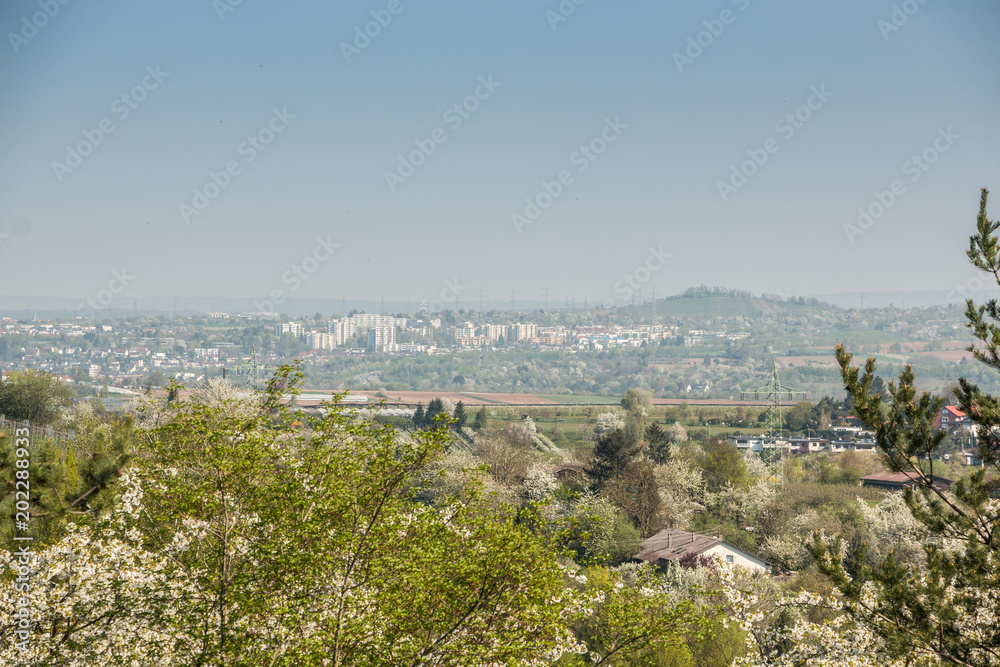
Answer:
(36, 397)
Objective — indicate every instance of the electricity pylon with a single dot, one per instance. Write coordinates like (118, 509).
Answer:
(772, 394)
(250, 371)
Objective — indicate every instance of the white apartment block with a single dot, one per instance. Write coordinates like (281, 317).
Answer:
(495, 331)
(338, 329)
(520, 332)
(320, 340)
(364, 321)
(380, 337)
(290, 328)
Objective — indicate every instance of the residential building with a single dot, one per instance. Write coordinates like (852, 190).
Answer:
(364, 321)
(898, 481)
(671, 546)
(473, 341)
(952, 419)
(405, 347)
(494, 331)
(743, 442)
(292, 328)
(812, 445)
(381, 337)
(342, 331)
(319, 340)
(523, 332)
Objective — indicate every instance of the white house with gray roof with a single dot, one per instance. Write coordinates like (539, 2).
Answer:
(671, 545)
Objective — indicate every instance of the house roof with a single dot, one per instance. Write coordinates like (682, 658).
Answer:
(900, 478)
(954, 411)
(567, 468)
(670, 544)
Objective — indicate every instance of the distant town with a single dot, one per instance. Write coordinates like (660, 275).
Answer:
(707, 343)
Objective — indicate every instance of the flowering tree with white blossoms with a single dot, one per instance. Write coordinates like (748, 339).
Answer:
(778, 633)
(96, 596)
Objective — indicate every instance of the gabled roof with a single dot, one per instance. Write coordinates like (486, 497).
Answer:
(670, 544)
(900, 479)
(954, 412)
(673, 545)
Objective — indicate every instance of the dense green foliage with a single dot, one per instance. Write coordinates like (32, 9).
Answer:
(35, 397)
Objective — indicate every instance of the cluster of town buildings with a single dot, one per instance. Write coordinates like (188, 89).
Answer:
(956, 423)
(126, 355)
(65, 349)
(386, 333)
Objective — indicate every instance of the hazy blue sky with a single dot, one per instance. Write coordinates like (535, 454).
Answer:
(886, 80)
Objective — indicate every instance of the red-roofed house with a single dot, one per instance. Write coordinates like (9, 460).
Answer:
(958, 425)
(952, 419)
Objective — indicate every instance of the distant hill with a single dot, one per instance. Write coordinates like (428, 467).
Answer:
(708, 302)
